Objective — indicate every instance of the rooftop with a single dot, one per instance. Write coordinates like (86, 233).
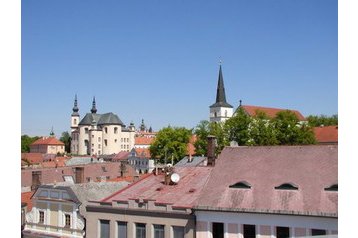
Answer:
(47, 141)
(183, 194)
(244, 179)
(270, 112)
(326, 134)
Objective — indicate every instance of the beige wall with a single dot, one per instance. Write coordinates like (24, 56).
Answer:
(92, 223)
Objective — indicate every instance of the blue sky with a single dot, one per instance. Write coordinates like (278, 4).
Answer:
(158, 60)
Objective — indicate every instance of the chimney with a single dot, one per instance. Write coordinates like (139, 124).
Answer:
(190, 158)
(211, 150)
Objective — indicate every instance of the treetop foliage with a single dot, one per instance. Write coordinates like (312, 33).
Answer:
(170, 142)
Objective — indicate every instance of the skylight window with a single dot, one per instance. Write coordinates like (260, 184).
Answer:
(241, 184)
(333, 187)
(287, 186)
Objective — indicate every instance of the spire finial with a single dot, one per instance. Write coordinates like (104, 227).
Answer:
(52, 133)
(94, 109)
(220, 61)
(240, 103)
(75, 107)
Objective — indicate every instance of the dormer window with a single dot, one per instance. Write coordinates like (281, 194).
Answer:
(241, 184)
(287, 186)
(333, 187)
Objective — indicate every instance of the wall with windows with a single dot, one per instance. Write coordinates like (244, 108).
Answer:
(52, 215)
(141, 225)
(244, 225)
(220, 114)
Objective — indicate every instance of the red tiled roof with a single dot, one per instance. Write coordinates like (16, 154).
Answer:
(143, 140)
(326, 134)
(56, 162)
(26, 198)
(142, 152)
(270, 112)
(47, 141)
(33, 158)
(312, 168)
(121, 156)
(120, 179)
(183, 194)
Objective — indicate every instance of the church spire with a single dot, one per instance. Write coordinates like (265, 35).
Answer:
(94, 109)
(220, 92)
(75, 107)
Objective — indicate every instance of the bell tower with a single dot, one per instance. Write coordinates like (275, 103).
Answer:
(220, 111)
(75, 116)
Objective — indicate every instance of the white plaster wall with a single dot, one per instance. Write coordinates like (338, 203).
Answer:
(292, 221)
(113, 140)
(94, 135)
(220, 111)
(81, 142)
(74, 124)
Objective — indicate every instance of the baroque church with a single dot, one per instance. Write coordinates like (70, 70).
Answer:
(99, 134)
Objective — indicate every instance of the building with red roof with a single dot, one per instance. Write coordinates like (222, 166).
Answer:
(280, 191)
(151, 206)
(269, 111)
(326, 134)
(47, 145)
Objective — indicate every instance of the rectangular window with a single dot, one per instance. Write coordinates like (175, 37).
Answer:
(99, 139)
(86, 130)
(104, 228)
(318, 232)
(99, 146)
(105, 142)
(41, 217)
(249, 231)
(140, 230)
(67, 220)
(122, 229)
(218, 230)
(282, 232)
(158, 231)
(92, 136)
(178, 231)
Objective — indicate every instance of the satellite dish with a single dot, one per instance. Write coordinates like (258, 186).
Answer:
(169, 165)
(175, 178)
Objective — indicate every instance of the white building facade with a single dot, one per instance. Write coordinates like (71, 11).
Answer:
(99, 134)
(235, 224)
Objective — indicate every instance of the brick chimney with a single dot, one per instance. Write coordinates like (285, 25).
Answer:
(211, 150)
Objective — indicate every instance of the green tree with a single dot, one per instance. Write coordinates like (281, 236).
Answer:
(261, 131)
(66, 139)
(205, 128)
(324, 120)
(236, 127)
(290, 131)
(26, 141)
(201, 131)
(170, 142)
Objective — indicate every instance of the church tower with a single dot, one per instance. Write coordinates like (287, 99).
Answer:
(75, 116)
(220, 111)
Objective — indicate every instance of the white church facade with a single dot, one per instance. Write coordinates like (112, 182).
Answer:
(99, 134)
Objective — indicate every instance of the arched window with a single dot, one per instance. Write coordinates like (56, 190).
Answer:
(105, 130)
(241, 184)
(115, 130)
(75, 121)
(333, 187)
(287, 186)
